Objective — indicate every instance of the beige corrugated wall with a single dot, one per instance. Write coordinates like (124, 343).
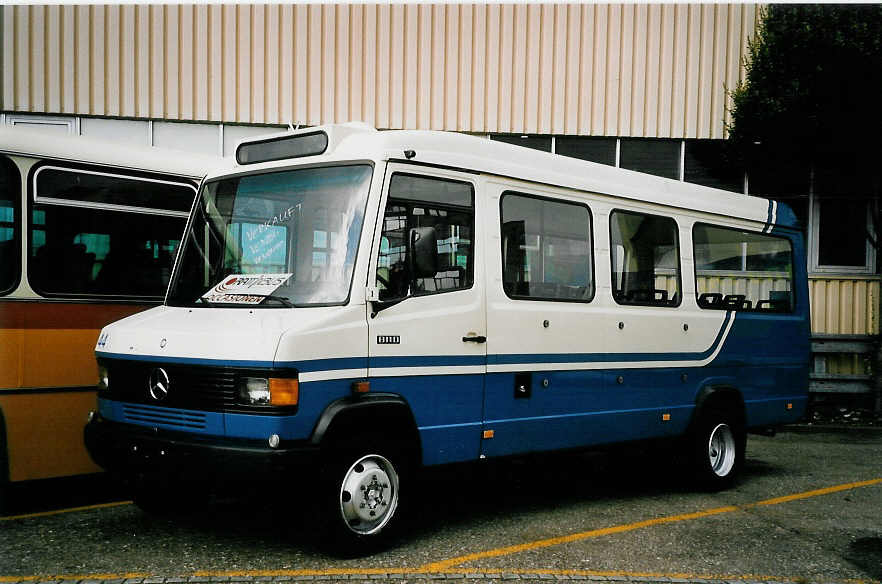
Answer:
(607, 69)
(844, 306)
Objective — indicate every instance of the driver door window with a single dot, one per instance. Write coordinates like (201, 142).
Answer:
(416, 202)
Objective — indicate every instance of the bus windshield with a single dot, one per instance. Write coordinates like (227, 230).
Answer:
(276, 239)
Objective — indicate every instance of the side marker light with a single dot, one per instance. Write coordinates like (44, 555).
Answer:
(488, 434)
(666, 417)
(361, 386)
(789, 406)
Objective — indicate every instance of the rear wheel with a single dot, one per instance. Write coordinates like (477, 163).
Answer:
(717, 449)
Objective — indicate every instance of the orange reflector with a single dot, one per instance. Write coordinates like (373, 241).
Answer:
(488, 434)
(666, 417)
(284, 391)
(789, 406)
(361, 386)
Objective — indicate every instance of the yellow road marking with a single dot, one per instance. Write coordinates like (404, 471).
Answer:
(449, 566)
(816, 493)
(68, 510)
(543, 543)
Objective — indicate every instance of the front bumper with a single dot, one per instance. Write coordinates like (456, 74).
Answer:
(126, 448)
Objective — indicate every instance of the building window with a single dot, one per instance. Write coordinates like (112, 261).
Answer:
(601, 150)
(839, 235)
(546, 249)
(10, 199)
(652, 156)
(841, 221)
(38, 123)
(645, 259)
(705, 163)
(535, 142)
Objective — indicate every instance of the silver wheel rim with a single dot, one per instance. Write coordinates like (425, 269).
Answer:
(721, 450)
(369, 494)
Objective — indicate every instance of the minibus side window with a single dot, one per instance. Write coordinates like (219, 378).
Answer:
(645, 259)
(418, 202)
(546, 249)
(10, 197)
(94, 234)
(742, 270)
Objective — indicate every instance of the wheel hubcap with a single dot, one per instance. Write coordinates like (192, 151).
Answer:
(721, 450)
(369, 494)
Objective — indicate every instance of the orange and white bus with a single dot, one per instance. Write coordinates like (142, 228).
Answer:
(88, 234)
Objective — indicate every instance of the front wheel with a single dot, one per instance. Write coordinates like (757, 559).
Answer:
(717, 450)
(363, 490)
(368, 496)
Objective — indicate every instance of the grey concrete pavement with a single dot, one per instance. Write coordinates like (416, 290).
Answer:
(808, 508)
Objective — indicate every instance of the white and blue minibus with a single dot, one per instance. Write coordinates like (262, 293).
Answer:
(350, 305)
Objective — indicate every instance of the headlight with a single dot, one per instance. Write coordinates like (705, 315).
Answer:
(272, 391)
(254, 391)
(103, 378)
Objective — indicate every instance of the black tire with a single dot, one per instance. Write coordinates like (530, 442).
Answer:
(362, 496)
(716, 449)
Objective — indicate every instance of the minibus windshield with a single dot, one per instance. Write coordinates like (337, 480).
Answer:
(273, 240)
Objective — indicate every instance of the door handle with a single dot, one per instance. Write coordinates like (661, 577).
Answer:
(478, 339)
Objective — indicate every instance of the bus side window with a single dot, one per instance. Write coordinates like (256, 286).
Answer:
(645, 259)
(546, 249)
(745, 270)
(420, 201)
(95, 233)
(10, 197)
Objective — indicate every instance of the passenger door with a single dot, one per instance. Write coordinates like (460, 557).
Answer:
(427, 326)
(542, 388)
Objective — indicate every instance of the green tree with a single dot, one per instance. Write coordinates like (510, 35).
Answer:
(809, 113)
(812, 96)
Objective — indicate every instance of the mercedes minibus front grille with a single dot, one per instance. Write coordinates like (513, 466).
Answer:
(152, 415)
(191, 387)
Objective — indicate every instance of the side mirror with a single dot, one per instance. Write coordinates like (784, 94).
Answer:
(423, 243)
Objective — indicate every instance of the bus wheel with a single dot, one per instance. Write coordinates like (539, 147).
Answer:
(718, 445)
(363, 498)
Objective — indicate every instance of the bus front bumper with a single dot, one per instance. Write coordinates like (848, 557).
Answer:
(128, 449)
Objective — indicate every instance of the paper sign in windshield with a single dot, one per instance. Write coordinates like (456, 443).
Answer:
(245, 288)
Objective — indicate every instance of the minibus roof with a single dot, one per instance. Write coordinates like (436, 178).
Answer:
(358, 141)
(37, 144)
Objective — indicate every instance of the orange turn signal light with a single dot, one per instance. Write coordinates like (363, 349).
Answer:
(284, 391)
(361, 386)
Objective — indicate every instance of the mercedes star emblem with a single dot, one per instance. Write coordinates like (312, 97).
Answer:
(157, 384)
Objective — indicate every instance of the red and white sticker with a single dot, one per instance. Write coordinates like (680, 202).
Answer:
(245, 288)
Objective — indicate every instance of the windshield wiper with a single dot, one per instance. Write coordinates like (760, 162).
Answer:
(280, 299)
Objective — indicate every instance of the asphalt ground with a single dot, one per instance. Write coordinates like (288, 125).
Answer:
(808, 508)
